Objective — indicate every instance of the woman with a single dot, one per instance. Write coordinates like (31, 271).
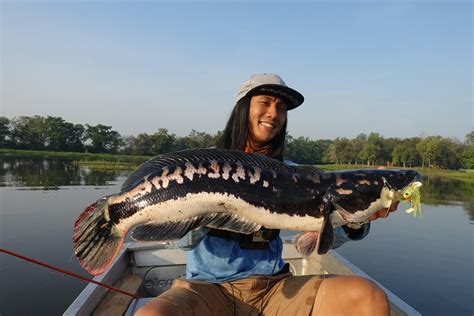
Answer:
(236, 274)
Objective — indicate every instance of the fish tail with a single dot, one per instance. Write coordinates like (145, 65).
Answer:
(96, 239)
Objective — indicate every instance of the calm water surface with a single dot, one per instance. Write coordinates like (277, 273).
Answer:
(428, 262)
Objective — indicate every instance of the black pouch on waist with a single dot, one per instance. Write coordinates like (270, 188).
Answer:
(257, 240)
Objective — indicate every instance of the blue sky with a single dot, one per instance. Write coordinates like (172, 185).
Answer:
(400, 68)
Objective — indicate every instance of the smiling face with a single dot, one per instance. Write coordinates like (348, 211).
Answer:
(267, 116)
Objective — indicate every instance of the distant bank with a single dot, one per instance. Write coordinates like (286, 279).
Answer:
(130, 162)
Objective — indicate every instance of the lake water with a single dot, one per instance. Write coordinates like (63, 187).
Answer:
(428, 262)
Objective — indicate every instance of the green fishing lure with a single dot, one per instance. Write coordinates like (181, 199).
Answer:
(412, 195)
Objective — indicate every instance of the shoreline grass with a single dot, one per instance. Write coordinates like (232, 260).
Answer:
(106, 165)
(76, 155)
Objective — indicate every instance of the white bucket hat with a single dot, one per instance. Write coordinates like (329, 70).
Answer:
(272, 84)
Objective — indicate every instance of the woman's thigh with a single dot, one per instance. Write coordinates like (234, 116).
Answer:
(196, 298)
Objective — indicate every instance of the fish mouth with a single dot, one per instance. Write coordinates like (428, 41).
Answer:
(361, 217)
(418, 178)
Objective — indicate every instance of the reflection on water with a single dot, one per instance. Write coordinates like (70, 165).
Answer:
(49, 174)
(440, 191)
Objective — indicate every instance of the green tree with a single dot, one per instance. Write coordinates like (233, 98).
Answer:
(468, 151)
(4, 132)
(197, 139)
(29, 132)
(374, 151)
(340, 151)
(302, 150)
(357, 145)
(427, 148)
(102, 139)
(469, 139)
(75, 135)
(404, 154)
(162, 142)
(62, 135)
(142, 145)
(449, 154)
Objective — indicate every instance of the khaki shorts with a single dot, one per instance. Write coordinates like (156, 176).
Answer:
(282, 294)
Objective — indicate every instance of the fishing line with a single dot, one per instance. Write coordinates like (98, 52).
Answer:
(65, 272)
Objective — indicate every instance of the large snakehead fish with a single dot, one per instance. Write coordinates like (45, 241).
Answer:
(171, 194)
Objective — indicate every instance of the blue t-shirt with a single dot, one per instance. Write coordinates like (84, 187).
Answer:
(219, 260)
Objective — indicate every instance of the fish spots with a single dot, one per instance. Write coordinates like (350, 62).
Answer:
(344, 191)
(201, 170)
(215, 168)
(177, 175)
(156, 182)
(239, 173)
(340, 180)
(164, 178)
(189, 171)
(226, 171)
(255, 176)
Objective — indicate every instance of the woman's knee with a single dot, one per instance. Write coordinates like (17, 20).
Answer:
(352, 294)
(366, 292)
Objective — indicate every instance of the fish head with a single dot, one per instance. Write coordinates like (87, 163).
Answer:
(360, 193)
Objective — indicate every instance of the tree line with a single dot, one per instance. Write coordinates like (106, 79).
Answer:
(55, 134)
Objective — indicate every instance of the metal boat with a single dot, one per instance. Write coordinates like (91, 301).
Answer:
(148, 269)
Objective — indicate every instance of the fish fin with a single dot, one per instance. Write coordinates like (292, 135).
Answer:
(169, 230)
(176, 230)
(96, 240)
(326, 235)
(306, 243)
(326, 238)
(234, 223)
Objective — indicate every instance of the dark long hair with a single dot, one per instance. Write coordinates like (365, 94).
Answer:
(236, 131)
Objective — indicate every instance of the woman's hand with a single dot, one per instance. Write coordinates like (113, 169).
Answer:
(383, 213)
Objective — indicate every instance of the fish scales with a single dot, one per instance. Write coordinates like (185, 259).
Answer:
(172, 194)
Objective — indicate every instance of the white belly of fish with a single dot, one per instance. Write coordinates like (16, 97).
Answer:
(198, 204)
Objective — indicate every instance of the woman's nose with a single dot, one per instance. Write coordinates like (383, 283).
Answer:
(271, 111)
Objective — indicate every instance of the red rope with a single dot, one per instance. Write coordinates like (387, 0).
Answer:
(75, 275)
